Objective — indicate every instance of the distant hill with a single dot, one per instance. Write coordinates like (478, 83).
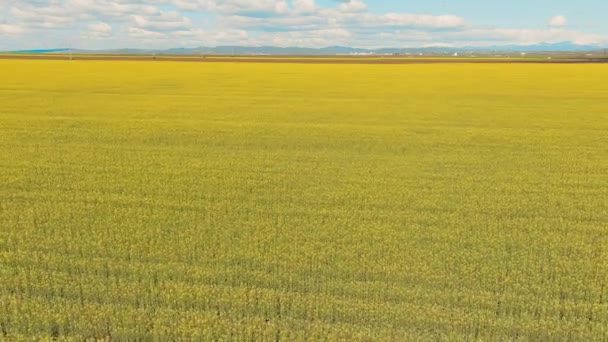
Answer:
(338, 50)
(41, 51)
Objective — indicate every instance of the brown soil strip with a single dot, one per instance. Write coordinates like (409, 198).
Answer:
(302, 59)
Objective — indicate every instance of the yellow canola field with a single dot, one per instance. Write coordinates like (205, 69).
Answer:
(238, 202)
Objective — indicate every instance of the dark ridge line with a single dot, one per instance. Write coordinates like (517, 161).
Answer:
(308, 60)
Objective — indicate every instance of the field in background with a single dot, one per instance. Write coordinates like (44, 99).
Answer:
(303, 202)
(533, 58)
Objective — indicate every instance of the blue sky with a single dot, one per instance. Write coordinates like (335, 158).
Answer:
(103, 24)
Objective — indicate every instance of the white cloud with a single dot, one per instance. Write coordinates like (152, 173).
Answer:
(163, 21)
(172, 23)
(312, 38)
(411, 20)
(558, 21)
(490, 37)
(140, 33)
(6, 29)
(353, 6)
(258, 7)
(305, 6)
(99, 30)
(331, 18)
(48, 17)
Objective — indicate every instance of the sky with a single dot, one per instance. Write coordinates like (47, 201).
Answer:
(158, 24)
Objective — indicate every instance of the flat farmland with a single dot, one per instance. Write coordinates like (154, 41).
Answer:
(547, 58)
(303, 202)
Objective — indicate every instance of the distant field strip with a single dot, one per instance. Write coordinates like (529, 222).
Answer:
(293, 202)
(278, 59)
